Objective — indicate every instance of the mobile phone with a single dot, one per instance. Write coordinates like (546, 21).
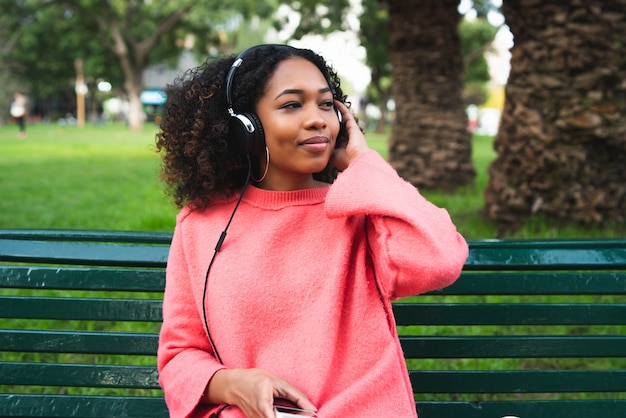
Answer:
(289, 412)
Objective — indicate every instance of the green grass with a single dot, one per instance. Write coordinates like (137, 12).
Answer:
(106, 177)
(97, 177)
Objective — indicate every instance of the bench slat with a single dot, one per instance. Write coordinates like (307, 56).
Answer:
(523, 346)
(108, 406)
(144, 310)
(83, 253)
(48, 374)
(540, 283)
(81, 406)
(141, 237)
(510, 314)
(109, 279)
(518, 381)
(523, 409)
(86, 342)
(547, 255)
(414, 347)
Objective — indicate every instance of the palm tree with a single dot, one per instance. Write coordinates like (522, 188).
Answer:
(562, 140)
(430, 145)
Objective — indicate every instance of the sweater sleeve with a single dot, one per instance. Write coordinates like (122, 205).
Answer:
(184, 358)
(414, 245)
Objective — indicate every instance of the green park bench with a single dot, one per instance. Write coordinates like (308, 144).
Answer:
(532, 329)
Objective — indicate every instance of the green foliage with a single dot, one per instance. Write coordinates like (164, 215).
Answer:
(43, 38)
(317, 17)
(374, 36)
(476, 38)
(47, 44)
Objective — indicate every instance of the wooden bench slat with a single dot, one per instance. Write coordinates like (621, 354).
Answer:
(82, 375)
(547, 255)
(81, 406)
(510, 314)
(547, 244)
(109, 279)
(144, 310)
(522, 346)
(140, 237)
(517, 381)
(524, 409)
(87, 342)
(83, 253)
(536, 282)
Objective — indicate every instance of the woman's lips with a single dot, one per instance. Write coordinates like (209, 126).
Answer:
(317, 143)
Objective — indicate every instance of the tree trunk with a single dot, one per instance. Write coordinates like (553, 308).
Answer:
(562, 140)
(430, 145)
(136, 114)
(133, 73)
(131, 51)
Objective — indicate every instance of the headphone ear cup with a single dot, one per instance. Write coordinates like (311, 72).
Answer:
(341, 136)
(246, 132)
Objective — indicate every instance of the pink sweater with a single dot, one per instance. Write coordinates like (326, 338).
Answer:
(302, 287)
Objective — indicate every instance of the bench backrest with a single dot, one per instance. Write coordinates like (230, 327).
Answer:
(81, 310)
(531, 329)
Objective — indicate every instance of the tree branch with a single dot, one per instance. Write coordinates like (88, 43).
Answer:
(126, 23)
(170, 21)
(100, 19)
(475, 54)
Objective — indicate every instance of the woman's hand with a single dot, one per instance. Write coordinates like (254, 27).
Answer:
(355, 144)
(253, 391)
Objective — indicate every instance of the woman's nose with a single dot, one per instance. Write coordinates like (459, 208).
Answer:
(315, 118)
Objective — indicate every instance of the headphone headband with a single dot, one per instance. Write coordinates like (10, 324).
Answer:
(229, 82)
(238, 61)
(246, 128)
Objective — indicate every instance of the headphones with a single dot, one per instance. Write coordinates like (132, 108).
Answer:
(246, 129)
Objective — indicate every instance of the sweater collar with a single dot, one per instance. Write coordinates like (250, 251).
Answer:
(269, 199)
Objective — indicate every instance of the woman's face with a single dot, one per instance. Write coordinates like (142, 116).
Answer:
(300, 124)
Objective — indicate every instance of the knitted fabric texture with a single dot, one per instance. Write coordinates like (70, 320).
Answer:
(302, 287)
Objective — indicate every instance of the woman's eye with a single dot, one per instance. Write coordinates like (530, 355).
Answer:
(327, 104)
(291, 105)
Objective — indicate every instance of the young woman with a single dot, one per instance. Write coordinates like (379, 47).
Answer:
(281, 272)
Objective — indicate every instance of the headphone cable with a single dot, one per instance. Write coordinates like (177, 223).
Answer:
(218, 247)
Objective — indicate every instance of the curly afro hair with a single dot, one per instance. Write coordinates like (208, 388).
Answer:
(199, 162)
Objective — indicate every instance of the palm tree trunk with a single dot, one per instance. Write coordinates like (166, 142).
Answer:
(562, 140)
(430, 145)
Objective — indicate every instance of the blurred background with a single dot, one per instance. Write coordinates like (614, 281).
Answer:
(511, 113)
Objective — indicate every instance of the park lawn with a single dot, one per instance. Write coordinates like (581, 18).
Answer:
(106, 177)
(97, 177)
